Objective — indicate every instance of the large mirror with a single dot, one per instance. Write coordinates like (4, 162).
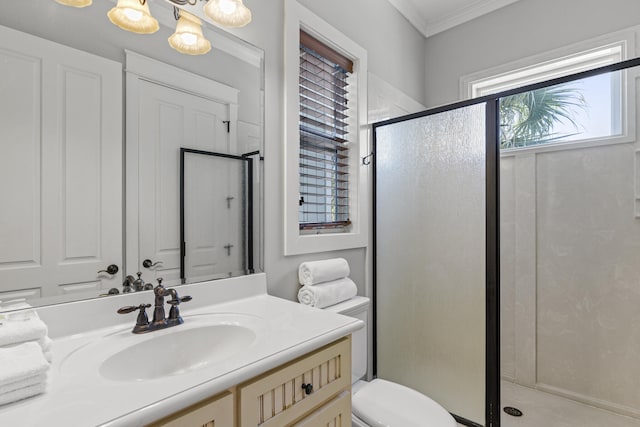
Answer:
(94, 186)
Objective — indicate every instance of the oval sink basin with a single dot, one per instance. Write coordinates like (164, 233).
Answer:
(177, 353)
(208, 341)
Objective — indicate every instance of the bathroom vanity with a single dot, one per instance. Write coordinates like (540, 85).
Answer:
(279, 397)
(241, 358)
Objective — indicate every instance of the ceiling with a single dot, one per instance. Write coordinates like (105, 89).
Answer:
(433, 16)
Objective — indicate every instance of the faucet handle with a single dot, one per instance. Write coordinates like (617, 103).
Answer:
(179, 300)
(174, 313)
(142, 322)
(128, 309)
(131, 308)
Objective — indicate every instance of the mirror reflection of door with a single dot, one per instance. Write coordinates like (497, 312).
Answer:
(170, 119)
(214, 211)
(61, 169)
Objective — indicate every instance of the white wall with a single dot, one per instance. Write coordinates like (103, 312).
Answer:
(377, 27)
(394, 45)
(522, 29)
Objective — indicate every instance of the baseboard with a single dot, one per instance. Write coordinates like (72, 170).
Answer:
(464, 421)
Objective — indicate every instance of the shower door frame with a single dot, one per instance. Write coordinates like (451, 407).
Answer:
(248, 234)
(492, 228)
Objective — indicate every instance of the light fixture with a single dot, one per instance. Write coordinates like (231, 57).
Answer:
(188, 37)
(75, 3)
(134, 16)
(228, 13)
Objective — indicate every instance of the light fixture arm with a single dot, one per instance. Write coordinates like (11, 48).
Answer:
(185, 2)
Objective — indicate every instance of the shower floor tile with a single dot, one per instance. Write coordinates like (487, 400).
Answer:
(545, 409)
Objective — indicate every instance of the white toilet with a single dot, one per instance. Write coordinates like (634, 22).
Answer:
(382, 403)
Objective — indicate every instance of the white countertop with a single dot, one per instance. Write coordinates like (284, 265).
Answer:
(77, 395)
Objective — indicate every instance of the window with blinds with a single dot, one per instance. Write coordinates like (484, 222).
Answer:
(324, 123)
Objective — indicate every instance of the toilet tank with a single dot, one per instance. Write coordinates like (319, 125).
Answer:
(356, 307)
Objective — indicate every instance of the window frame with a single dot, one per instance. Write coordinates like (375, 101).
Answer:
(297, 241)
(582, 56)
(324, 177)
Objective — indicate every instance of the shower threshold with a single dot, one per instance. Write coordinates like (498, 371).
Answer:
(545, 409)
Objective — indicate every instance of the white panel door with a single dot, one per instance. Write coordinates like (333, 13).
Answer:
(214, 209)
(168, 120)
(61, 165)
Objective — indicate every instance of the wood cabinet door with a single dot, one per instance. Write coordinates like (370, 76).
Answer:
(277, 398)
(214, 412)
(336, 413)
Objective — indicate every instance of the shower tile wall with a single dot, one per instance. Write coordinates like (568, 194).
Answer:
(570, 254)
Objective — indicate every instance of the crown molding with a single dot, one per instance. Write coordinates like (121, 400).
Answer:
(430, 27)
(408, 9)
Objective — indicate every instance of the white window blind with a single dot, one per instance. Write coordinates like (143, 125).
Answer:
(324, 122)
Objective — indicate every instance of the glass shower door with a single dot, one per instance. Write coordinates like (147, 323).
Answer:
(431, 257)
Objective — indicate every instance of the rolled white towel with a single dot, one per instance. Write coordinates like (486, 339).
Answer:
(326, 294)
(20, 327)
(314, 272)
(21, 362)
(23, 393)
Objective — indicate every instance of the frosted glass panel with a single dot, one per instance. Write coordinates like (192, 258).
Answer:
(215, 209)
(431, 257)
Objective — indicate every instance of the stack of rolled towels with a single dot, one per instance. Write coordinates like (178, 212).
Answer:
(325, 283)
(25, 353)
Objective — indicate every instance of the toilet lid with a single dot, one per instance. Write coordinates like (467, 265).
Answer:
(385, 404)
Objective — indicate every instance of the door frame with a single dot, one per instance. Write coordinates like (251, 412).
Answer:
(140, 68)
(248, 208)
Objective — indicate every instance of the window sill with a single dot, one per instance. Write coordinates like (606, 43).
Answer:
(313, 243)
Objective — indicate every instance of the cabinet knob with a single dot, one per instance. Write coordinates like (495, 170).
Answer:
(308, 388)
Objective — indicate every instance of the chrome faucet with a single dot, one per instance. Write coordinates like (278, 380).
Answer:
(160, 321)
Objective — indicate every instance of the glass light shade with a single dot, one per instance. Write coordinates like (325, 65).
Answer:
(75, 3)
(188, 37)
(133, 16)
(228, 13)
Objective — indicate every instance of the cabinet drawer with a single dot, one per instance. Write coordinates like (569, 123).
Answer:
(336, 413)
(276, 399)
(216, 411)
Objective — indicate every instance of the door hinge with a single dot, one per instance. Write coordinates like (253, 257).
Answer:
(228, 248)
